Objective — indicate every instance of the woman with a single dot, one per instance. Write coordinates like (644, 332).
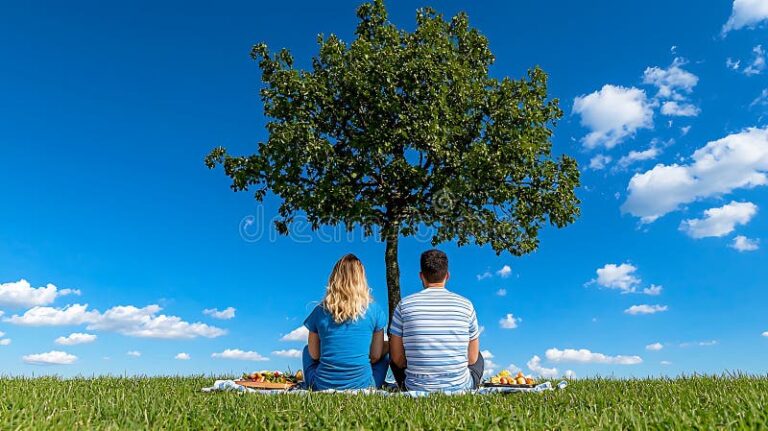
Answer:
(346, 348)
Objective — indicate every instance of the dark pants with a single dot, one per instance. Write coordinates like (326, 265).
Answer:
(475, 370)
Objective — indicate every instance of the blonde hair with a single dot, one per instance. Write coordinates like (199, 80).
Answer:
(347, 296)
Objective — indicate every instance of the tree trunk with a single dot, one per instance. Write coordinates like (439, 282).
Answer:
(393, 271)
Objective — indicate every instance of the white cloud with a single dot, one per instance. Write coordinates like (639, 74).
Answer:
(75, 338)
(720, 221)
(761, 100)
(145, 322)
(646, 309)
(512, 368)
(71, 315)
(654, 347)
(5, 341)
(742, 244)
(739, 160)
(620, 277)
(613, 114)
(483, 276)
(501, 292)
(504, 272)
(584, 356)
(509, 321)
(299, 334)
(638, 156)
(534, 364)
(684, 130)
(653, 290)
(599, 162)
(225, 314)
(22, 294)
(570, 374)
(746, 13)
(765, 334)
(705, 343)
(672, 82)
(182, 356)
(239, 355)
(757, 66)
(489, 368)
(674, 85)
(134, 353)
(665, 363)
(125, 319)
(290, 353)
(675, 109)
(54, 357)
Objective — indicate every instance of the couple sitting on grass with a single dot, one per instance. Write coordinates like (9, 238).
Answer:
(433, 343)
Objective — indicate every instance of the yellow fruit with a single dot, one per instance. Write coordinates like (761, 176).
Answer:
(521, 380)
(495, 380)
(299, 375)
(505, 373)
(520, 374)
(528, 381)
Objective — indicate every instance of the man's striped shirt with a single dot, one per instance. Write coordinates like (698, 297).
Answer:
(436, 326)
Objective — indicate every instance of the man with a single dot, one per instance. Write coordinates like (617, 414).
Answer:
(434, 337)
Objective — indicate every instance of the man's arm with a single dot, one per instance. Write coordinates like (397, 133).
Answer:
(313, 342)
(396, 351)
(473, 351)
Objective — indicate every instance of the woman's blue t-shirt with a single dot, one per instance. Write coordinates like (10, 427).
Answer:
(345, 348)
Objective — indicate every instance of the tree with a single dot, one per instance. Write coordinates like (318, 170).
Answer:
(400, 131)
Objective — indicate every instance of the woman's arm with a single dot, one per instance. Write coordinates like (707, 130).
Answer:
(313, 342)
(377, 346)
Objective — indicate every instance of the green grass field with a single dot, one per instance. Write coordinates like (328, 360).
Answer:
(705, 403)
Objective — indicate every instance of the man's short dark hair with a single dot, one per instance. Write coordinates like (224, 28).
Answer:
(434, 265)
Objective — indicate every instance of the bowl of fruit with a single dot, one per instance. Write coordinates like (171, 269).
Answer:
(505, 379)
(270, 379)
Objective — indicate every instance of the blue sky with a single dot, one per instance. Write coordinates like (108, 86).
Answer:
(107, 111)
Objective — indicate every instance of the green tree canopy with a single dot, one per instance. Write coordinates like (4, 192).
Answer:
(400, 131)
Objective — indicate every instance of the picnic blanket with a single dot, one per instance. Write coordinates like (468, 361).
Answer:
(231, 386)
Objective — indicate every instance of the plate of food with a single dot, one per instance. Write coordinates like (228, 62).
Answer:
(505, 379)
(270, 380)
